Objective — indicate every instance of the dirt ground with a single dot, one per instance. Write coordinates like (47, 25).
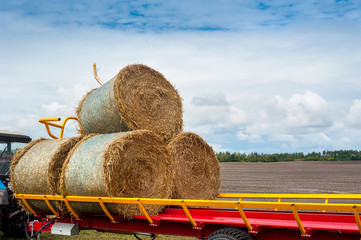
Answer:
(292, 177)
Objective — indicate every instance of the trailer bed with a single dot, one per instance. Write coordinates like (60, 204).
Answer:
(200, 218)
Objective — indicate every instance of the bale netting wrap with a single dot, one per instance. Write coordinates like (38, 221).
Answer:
(128, 164)
(196, 168)
(35, 169)
(137, 98)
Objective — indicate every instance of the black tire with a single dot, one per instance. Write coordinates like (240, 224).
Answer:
(229, 234)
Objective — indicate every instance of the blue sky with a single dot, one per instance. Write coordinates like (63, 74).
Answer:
(264, 76)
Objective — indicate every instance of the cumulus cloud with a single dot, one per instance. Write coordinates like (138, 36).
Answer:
(302, 119)
(353, 118)
(52, 107)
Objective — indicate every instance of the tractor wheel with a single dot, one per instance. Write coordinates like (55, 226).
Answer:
(229, 234)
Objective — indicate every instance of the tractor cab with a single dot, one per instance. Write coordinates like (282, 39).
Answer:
(10, 143)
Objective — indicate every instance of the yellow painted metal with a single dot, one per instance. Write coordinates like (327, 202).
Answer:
(289, 196)
(70, 208)
(279, 200)
(51, 207)
(298, 220)
(48, 122)
(202, 203)
(326, 201)
(105, 209)
(189, 216)
(96, 74)
(240, 205)
(243, 215)
(356, 211)
(140, 204)
(27, 205)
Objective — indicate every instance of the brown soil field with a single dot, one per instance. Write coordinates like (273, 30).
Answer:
(339, 177)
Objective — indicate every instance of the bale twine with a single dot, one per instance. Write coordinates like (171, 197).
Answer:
(127, 164)
(196, 168)
(36, 168)
(137, 98)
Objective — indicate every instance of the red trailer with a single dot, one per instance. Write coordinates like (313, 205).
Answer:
(232, 216)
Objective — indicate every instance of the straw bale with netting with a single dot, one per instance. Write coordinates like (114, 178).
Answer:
(128, 164)
(196, 168)
(139, 97)
(35, 169)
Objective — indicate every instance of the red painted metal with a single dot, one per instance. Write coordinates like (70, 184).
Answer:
(269, 225)
(36, 225)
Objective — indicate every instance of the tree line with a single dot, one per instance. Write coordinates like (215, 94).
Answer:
(339, 155)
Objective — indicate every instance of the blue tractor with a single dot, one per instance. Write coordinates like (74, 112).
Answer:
(11, 214)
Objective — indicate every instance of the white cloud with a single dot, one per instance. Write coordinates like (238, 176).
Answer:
(309, 110)
(217, 147)
(353, 118)
(301, 120)
(52, 107)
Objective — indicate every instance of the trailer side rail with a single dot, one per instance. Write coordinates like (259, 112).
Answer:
(240, 205)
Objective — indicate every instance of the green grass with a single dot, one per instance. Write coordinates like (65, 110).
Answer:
(92, 235)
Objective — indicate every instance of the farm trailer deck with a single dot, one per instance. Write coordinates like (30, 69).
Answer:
(250, 216)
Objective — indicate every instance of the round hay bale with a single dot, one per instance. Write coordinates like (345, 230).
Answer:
(128, 164)
(196, 168)
(36, 168)
(137, 98)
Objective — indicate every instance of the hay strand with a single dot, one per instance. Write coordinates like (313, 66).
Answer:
(196, 168)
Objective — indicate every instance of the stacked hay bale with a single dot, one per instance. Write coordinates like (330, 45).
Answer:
(132, 145)
(196, 168)
(36, 168)
(129, 164)
(137, 98)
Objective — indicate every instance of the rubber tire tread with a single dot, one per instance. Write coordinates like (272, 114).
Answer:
(229, 234)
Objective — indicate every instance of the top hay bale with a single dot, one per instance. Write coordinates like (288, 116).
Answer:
(196, 168)
(137, 98)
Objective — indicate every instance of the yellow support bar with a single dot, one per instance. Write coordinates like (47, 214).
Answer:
(298, 220)
(27, 205)
(200, 203)
(48, 122)
(51, 207)
(189, 216)
(140, 204)
(357, 217)
(70, 208)
(245, 220)
(106, 210)
(326, 201)
(96, 74)
(279, 200)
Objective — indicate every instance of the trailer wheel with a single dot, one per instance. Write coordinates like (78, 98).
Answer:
(229, 234)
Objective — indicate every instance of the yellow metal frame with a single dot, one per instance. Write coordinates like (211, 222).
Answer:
(48, 122)
(96, 74)
(289, 196)
(244, 218)
(239, 204)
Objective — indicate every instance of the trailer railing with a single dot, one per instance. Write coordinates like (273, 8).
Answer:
(240, 204)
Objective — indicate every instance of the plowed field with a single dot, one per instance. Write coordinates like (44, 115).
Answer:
(292, 177)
